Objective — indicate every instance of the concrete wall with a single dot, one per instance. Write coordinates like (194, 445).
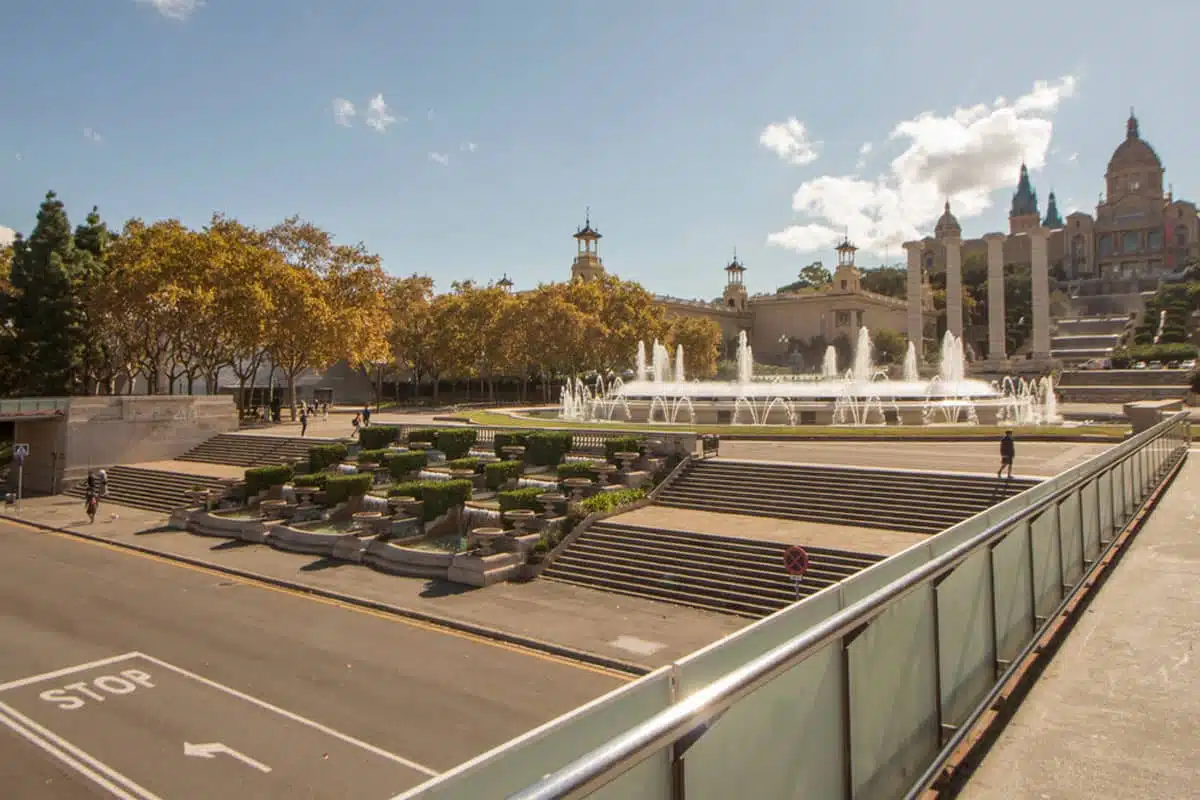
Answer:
(103, 431)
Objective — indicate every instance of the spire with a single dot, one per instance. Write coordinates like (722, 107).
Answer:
(1131, 127)
(1024, 201)
(1053, 218)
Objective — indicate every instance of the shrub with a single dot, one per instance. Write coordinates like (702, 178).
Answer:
(340, 488)
(472, 464)
(401, 465)
(576, 469)
(611, 501)
(324, 456)
(260, 478)
(499, 473)
(1195, 380)
(377, 437)
(1123, 357)
(520, 498)
(317, 479)
(622, 444)
(423, 435)
(455, 442)
(547, 448)
(505, 439)
(438, 497)
(377, 456)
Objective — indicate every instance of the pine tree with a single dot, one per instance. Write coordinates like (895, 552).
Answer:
(44, 307)
(91, 268)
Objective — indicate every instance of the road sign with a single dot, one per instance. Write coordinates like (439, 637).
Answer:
(20, 451)
(795, 559)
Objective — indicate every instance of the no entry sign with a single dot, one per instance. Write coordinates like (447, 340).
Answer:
(795, 559)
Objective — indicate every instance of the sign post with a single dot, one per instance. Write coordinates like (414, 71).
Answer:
(795, 560)
(19, 453)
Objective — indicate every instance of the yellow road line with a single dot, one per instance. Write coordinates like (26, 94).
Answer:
(415, 623)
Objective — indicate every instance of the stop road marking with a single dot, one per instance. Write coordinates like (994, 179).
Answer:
(71, 697)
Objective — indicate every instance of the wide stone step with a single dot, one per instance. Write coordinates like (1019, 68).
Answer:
(857, 520)
(152, 490)
(888, 494)
(1124, 377)
(695, 581)
(909, 511)
(712, 601)
(736, 551)
(892, 478)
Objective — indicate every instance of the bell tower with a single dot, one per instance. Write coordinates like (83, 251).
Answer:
(587, 265)
(734, 296)
(846, 278)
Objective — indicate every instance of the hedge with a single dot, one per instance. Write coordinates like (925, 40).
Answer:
(438, 497)
(317, 479)
(260, 478)
(505, 439)
(1123, 357)
(376, 437)
(423, 435)
(455, 442)
(377, 456)
(547, 448)
(324, 456)
(499, 473)
(622, 444)
(340, 488)
(401, 465)
(611, 501)
(521, 498)
(472, 464)
(576, 469)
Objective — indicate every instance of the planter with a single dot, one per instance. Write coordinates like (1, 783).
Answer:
(551, 501)
(298, 540)
(487, 539)
(521, 518)
(206, 523)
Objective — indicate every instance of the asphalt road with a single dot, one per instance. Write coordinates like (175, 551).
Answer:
(128, 676)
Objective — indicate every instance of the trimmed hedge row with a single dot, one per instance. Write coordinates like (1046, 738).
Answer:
(505, 439)
(499, 473)
(611, 501)
(401, 465)
(547, 448)
(623, 444)
(261, 478)
(1123, 357)
(376, 437)
(315, 479)
(520, 498)
(576, 469)
(377, 456)
(323, 456)
(471, 463)
(438, 497)
(340, 488)
(454, 442)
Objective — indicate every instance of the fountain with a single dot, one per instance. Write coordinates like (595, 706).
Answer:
(863, 395)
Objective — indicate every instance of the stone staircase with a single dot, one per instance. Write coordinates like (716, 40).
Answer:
(148, 489)
(1123, 385)
(250, 450)
(716, 573)
(919, 502)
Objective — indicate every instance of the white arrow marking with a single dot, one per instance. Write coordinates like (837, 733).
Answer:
(211, 750)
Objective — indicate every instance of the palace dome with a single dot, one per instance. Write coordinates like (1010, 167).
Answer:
(1135, 152)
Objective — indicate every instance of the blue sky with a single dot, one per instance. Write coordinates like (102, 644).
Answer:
(511, 117)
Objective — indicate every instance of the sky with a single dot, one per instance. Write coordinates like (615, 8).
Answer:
(465, 139)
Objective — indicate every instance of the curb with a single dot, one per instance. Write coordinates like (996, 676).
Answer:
(583, 656)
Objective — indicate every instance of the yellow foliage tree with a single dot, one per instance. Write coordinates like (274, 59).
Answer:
(303, 327)
(701, 340)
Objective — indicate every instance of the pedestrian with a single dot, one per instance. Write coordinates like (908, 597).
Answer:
(366, 416)
(357, 423)
(92, 504)
(303, 421)
(1007, 451)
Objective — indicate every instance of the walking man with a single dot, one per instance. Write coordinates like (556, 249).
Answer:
(303, 420)
(1007, 451)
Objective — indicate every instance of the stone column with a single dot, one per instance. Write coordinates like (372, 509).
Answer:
(916, 319)
(997, 327)
(954, 298)
(1040, 259)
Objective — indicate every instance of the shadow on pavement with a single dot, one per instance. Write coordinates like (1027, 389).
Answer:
(323, 564)
(440, 588)
(232, 544)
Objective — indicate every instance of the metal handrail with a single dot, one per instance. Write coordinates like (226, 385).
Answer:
(695, 713)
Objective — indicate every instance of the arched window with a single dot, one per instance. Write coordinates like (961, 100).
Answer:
(1154, 240)
(1181, 236)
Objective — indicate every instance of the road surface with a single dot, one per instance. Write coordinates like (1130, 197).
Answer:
(128, 676)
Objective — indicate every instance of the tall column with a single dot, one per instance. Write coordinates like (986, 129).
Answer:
(954, 298)
(997, 327)
(916, 320)
(1041, 291)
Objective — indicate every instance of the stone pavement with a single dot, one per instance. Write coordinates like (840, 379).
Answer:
(1116, 714)
(814, 534)
(628, 629)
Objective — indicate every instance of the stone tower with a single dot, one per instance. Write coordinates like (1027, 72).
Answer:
(1053, 218)
(734, 296)
(1024, 215)
(846, 278)
(587, 265)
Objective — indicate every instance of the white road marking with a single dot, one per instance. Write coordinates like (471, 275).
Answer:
(58, 673)
(637, 646)
(72, 756)
(212, 749)
(293, 717)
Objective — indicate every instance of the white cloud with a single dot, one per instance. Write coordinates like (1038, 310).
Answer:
(789, 140)
(88, 133)
(379, 116)
(6, 236)
(863, 152)
(1073, 157)
(964, 156)
(440, 158)
(174, 9)
(469, 147)
(343, 112)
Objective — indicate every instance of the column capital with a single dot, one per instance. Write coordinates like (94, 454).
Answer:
(994, 237)
(1036, 233)
(914, 246)
(953, 240)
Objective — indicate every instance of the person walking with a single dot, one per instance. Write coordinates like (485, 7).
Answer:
(303, 421)
(366, 416)
(1008, 450)
(92, 501)
(356, 422)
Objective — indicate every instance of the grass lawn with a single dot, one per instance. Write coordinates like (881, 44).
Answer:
(1110, 432)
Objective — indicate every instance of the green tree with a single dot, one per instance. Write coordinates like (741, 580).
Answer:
(890, 346)
(890, 281)
(92, 238)
(814, 276)
(44, 306)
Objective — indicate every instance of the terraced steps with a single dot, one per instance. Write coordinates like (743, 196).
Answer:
(717, 573)
(250, 450)
(907, 501)
(148, 489)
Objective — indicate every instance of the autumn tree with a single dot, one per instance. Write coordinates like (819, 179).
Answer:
(409, 307)
(302, 329)
(701, 341)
